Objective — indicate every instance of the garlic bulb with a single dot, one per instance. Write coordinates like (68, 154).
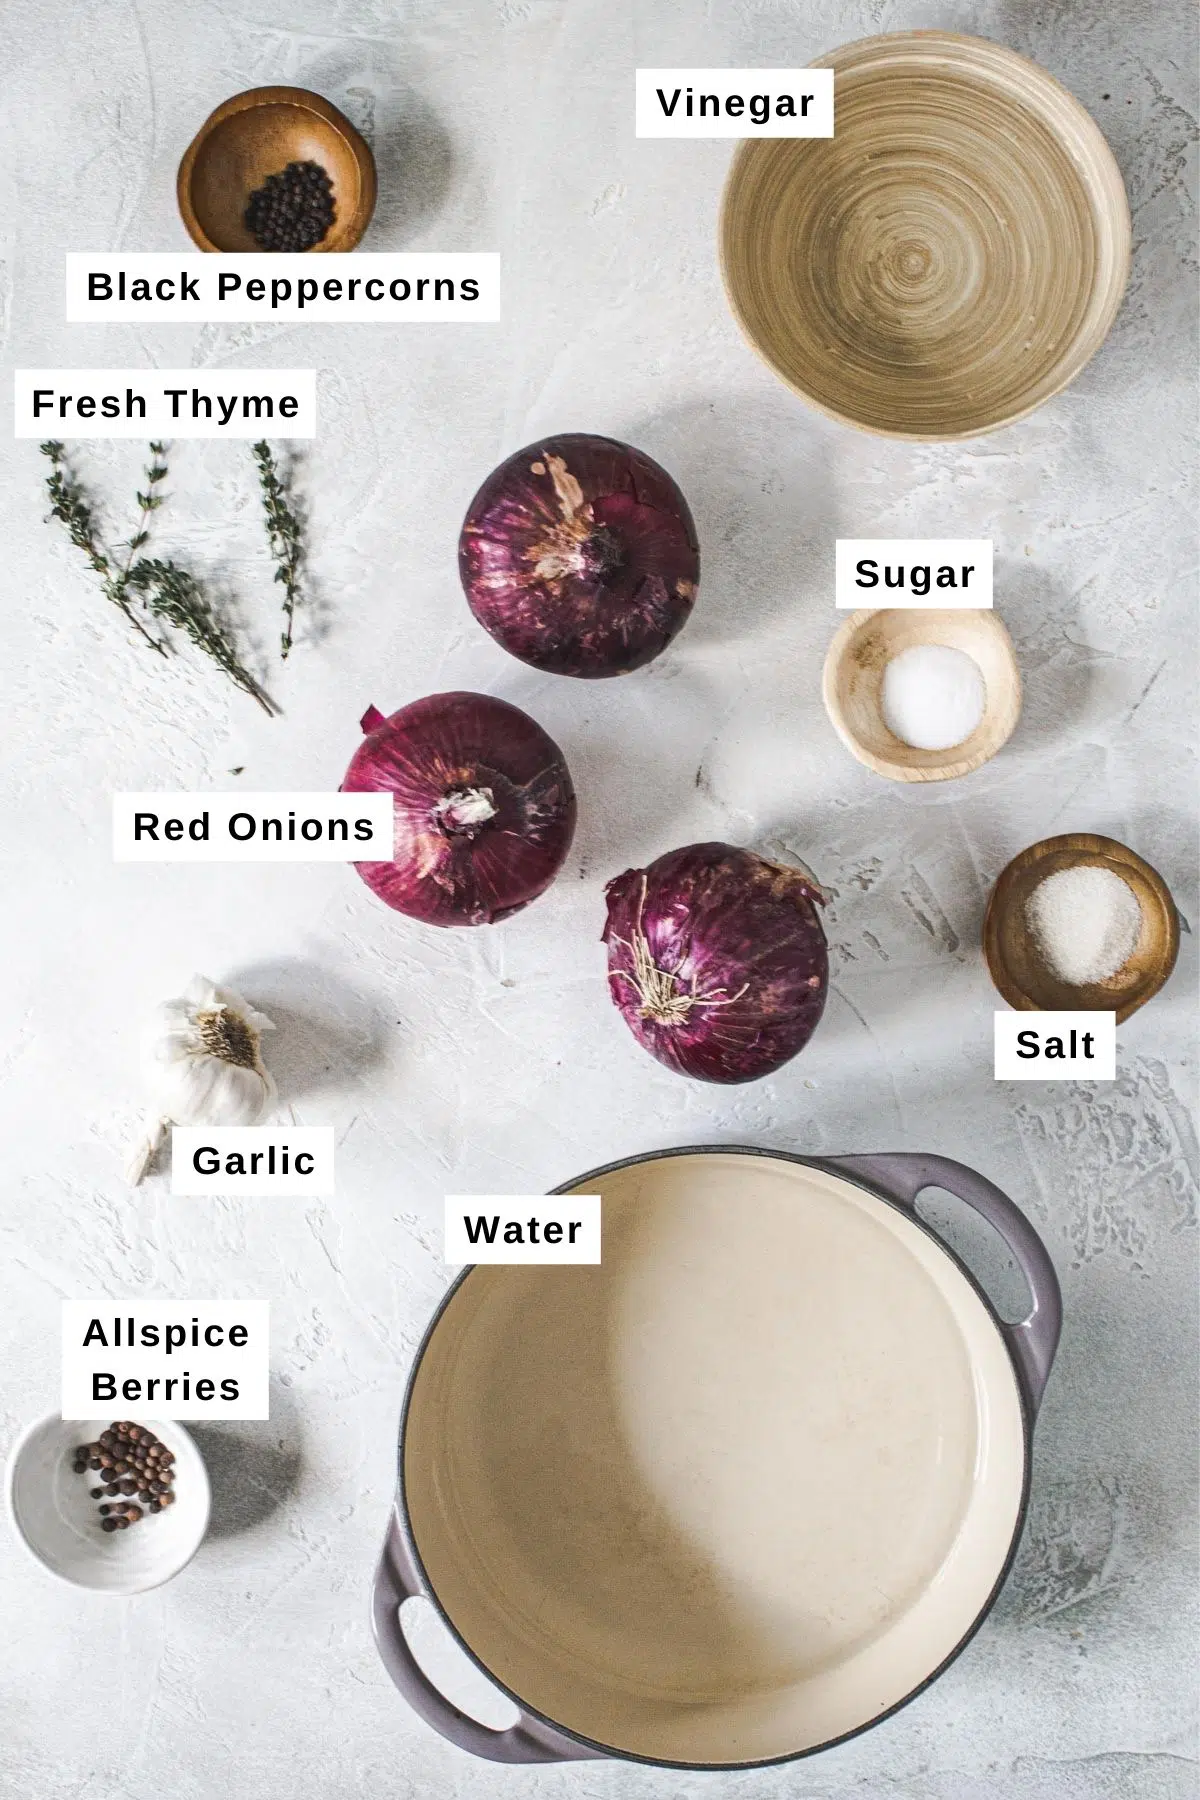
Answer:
(202, 1066)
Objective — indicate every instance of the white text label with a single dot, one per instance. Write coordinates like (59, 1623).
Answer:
(253, 828)
(266, 1160)
(170, 1359)
(1056, 1046)
(384, 287)
(165, 403)
(944, 573)
(522, 1228)
(733, 103)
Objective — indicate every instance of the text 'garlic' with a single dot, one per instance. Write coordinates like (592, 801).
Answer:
(202, 1065)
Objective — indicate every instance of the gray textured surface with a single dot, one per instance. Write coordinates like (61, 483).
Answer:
(492, 1061)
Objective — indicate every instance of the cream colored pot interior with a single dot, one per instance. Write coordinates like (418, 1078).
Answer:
(736, 1491)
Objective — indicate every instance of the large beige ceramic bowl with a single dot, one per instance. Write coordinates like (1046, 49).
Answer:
(734, 1493)
(949, 259)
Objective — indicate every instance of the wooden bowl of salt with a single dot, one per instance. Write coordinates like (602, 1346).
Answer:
(1080, 923)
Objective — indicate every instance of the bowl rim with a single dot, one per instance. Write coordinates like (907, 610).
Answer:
(306, 100)
(126, 1591)
(1006, 715)
(1089, 849)
(1120, 222)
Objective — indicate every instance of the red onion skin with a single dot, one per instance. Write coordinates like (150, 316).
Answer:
(450, 868)
(739, 934)
(579, 556)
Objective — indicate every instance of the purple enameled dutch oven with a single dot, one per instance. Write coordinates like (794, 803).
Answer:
(736, 1493)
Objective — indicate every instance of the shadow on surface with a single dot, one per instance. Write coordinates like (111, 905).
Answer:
(327, 1033)
(755, 471)
(254, 1468)
(414, 163)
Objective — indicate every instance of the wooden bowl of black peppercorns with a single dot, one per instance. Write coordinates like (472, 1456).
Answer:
(277, 169)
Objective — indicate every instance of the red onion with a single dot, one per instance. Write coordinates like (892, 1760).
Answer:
(579, 555)
(484, 807)
(717, 960)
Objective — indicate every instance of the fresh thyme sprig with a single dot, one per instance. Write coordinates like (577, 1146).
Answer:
(283, 535)
(156, 472)
(165, 591)
(175, 596)
(69, 504)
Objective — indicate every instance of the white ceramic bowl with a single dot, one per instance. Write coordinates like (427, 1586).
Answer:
(59, 1523)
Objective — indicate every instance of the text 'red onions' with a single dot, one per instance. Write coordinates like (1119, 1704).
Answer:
(484, 807)
(717, 960)
(579, 555)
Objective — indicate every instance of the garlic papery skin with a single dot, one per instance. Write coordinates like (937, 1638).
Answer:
(202, 1065)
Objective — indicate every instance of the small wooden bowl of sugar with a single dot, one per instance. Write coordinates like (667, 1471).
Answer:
(921, 694)
(1080, 923)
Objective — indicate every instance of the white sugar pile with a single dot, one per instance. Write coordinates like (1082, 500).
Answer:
(933, 696)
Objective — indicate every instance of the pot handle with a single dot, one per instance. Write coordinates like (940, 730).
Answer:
(529, 1741)
(902, 1175)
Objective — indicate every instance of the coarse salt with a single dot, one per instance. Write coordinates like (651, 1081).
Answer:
(933, 696)
(1085, 922)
